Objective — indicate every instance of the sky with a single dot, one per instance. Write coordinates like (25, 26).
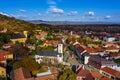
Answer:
(62, 10)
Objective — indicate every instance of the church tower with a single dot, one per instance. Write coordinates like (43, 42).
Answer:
(60, 51)
(60, 47)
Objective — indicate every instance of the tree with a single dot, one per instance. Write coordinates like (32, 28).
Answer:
(30, 64)
(18, 51)
(68, 75)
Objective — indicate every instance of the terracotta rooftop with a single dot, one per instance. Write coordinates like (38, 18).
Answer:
(114, 54)
(111, 71)
(91, 50)
(3, 54)
(97, 62)
(84, 73)
(22, 74)
(112, 48)
(54, 42)
(96, 75)
(105, 78)
(79, 48)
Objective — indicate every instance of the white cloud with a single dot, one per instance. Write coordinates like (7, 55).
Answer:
(55, 10)
(72, 13)
(4, 14)
(107, 17)
(51, 2)
(22, 10)
(39, 14)
(91, 13)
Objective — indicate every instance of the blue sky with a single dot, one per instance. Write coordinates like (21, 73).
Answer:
(62, 10)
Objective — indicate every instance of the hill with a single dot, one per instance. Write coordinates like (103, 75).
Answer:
(13, 24)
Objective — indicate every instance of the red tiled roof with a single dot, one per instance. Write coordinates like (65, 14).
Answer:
(114, 54)
(96, 75)
(112, 48)
(95, 62)
(79, 48)
(22, 74)
(3, 54)
(54, 42)
(99, 76)
(111, 71)
(82, 72)
(105, 78)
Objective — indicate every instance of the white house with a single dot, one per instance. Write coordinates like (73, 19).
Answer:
(109, 38)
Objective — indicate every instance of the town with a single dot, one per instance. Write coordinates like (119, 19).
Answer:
(43, 54)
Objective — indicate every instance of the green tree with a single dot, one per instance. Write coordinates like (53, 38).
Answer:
(68, 75)
(30, 64)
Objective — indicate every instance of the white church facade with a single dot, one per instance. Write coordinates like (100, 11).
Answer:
(50, 56)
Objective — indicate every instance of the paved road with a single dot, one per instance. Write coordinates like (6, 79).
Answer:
(73, 61)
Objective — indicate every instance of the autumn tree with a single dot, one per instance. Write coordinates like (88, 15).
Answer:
(68, 75)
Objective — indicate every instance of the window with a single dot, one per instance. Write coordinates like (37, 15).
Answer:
(112, 77)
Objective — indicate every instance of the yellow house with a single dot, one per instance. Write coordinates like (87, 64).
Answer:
(2, 71)
(19, 37)
(10, 56)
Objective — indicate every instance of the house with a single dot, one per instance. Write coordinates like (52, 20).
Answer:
(4, 30)
(114, 55)
(96, 62)
(117, 37)
(80, 51)
(30, 46)
(109, 38)
(46, 77)
(51, 74)
(97, 51)
(51, 43)
(4, 55)
(98, 76)
(41, 35)
(22, 74)
(19, 37)
(111, 73)
(7, 45)
(112, 49)
(83, 74)
(110, 44)
(2, 71)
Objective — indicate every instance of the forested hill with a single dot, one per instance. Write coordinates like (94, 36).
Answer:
(13, 24)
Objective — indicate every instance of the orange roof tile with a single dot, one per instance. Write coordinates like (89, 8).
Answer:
(22, 74)
(91, 50)
(3, 54)
(112, 48)
(105, 78)
(96, 75)
(111, 71)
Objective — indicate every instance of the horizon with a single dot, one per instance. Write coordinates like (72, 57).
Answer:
(63, 10)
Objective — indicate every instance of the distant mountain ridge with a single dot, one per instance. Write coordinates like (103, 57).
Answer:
(69, 22)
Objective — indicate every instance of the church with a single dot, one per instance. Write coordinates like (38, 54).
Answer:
(50, 56)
